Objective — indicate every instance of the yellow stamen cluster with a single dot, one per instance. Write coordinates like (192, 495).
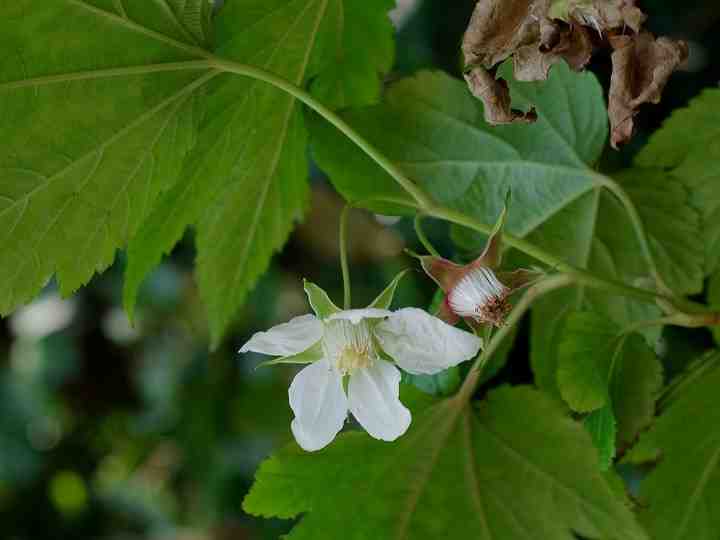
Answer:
(351, 358)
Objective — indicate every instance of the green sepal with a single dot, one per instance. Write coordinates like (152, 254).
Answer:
(385, 298)
(308, 356)
(319, 300)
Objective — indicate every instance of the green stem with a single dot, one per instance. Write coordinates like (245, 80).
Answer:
(422, 200)
(582, 277)
(425, 203)
(541, 288)
(249, 71)
(347, 301)
(421, 236)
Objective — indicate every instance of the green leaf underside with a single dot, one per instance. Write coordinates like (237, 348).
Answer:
(93, 157)
(319, 300)
(688, 146)
(477, 473)
(611, 376)
(681, 496)
(439, 139)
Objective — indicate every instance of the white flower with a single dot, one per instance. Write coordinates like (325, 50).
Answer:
(348, 344)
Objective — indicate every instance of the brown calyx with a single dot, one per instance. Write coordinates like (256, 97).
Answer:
(494, 311)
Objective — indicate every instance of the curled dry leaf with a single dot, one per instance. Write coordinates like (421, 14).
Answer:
(495, 95)
(540, 33)
(642, 66)
(603, 15)
(569, 42)
(499, 27)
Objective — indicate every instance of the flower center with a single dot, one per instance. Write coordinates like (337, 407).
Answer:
(349, 346)
(481, 296)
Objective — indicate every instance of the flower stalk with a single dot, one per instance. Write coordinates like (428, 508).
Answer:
(347, 297)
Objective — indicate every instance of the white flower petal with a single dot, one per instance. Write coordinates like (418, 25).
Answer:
(357, 315)
(293, 337)
(320, 405)
(421, 343)
(375, 403)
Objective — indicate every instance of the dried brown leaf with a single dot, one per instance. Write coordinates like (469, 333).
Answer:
(571, 43)
(499, 27)
(495, 96)
(602, 15)
(642, 66)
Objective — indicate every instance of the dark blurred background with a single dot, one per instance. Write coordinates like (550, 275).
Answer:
(113, 432)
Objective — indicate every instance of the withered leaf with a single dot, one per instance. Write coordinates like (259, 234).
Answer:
(571, 43)
(540, 33)
(499, 27)
(642, 66)
(605, 15)
(495, 96)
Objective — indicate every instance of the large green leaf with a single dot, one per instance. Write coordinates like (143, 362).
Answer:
(439, 139)
(96, 133)
(515, 467)
(688, 145)
(681, 497)
(85, 151)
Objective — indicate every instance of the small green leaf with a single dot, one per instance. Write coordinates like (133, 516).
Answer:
(681, 496)
(313, 354)
(599, 367)
(590, 344)
(385, 298)
(601, 425)
(459, 472)
(319, 300)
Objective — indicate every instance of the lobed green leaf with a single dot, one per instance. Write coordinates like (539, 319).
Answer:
(476, 472)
